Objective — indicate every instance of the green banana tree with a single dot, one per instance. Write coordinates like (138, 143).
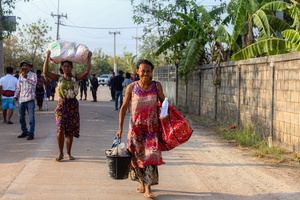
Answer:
(249, 15)
(271, 45)
(196, 31)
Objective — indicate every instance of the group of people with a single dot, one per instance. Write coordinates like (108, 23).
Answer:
(143, 93)
(27, 88)
(118, 85)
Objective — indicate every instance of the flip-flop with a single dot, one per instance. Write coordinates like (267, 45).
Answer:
(71, 158)
(140, 190)
(59, 158)
(150, 195)
(10, 122)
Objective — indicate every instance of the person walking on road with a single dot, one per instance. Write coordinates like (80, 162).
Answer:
(144, 130)
(111, 86)
(40, 90)
(53, 88)
(94, 87)
(118, 80)
(126, 82)
(67, 110)
(84, 83)
(26, 93)
(8, 86)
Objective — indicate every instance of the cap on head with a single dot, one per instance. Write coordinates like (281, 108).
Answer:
(26, 61)
(93, 74)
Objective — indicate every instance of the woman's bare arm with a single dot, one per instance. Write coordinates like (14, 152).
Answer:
(52, 76)
(83, 74)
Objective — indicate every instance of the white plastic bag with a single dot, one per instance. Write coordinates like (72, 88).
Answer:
(68, 51)
(164, 108)
(119, 150)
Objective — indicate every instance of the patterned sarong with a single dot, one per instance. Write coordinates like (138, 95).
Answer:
(67, 117)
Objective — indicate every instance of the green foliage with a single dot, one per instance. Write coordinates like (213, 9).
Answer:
(13, 52)
(100, 63)
(128, 61)
(34, 39)
(263, 47)
(196, 34)
(244, 137)
(191, 57)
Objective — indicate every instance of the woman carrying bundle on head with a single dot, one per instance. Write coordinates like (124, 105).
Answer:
(67, 111)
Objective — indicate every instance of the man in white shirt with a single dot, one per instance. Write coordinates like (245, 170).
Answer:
(8, 86)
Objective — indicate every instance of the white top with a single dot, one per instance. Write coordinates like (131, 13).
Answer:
(8, 82)
(126, 82)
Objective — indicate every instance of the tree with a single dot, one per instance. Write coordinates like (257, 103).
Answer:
(157, 14)
(249, 16)
(9, 6)
(34, 38)
(272, 45)
(13, 52)
(128, 61)
(100, 64)
(197, 31)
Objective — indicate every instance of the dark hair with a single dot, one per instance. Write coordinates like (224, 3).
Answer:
(127, 75)
(9, 70)
(63, 62)
(38, 71)
(61, 70)
(144, 61)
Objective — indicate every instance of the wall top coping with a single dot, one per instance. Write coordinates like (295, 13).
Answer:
(253, 61)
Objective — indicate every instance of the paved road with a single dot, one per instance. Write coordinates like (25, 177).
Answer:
(203, 168)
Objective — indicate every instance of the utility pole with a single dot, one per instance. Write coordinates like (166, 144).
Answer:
(58, 23)
(115, 63)
(136, 43)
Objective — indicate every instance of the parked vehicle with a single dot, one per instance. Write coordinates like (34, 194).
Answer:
(104, 79)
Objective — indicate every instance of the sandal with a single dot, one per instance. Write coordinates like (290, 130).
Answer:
(70, 157)
(10, 122)
(150, 195)
(59, 158)
(140, 190)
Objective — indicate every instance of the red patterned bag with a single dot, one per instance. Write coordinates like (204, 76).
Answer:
(175, 131)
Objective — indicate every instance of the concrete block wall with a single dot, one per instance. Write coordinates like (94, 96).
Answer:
(227, 96)
(255, 96)
(207, 94)
(287, 104)
(263, 92)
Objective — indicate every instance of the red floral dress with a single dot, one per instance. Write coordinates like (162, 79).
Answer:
(144, 130)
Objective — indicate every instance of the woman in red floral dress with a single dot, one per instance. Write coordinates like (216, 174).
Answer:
(144, 129)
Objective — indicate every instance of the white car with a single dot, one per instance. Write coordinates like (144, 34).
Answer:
(104, 79)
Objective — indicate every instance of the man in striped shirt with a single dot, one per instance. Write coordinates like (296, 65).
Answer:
(25, 92)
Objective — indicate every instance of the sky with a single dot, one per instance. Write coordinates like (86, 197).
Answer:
(100, 16)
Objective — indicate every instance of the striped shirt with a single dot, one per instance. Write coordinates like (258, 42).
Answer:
(26, 87)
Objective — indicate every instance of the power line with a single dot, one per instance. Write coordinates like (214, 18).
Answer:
(86, 27)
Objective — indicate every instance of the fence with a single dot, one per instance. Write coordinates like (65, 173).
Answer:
(262, 91)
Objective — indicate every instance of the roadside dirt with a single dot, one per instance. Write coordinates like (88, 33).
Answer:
(289, 166)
